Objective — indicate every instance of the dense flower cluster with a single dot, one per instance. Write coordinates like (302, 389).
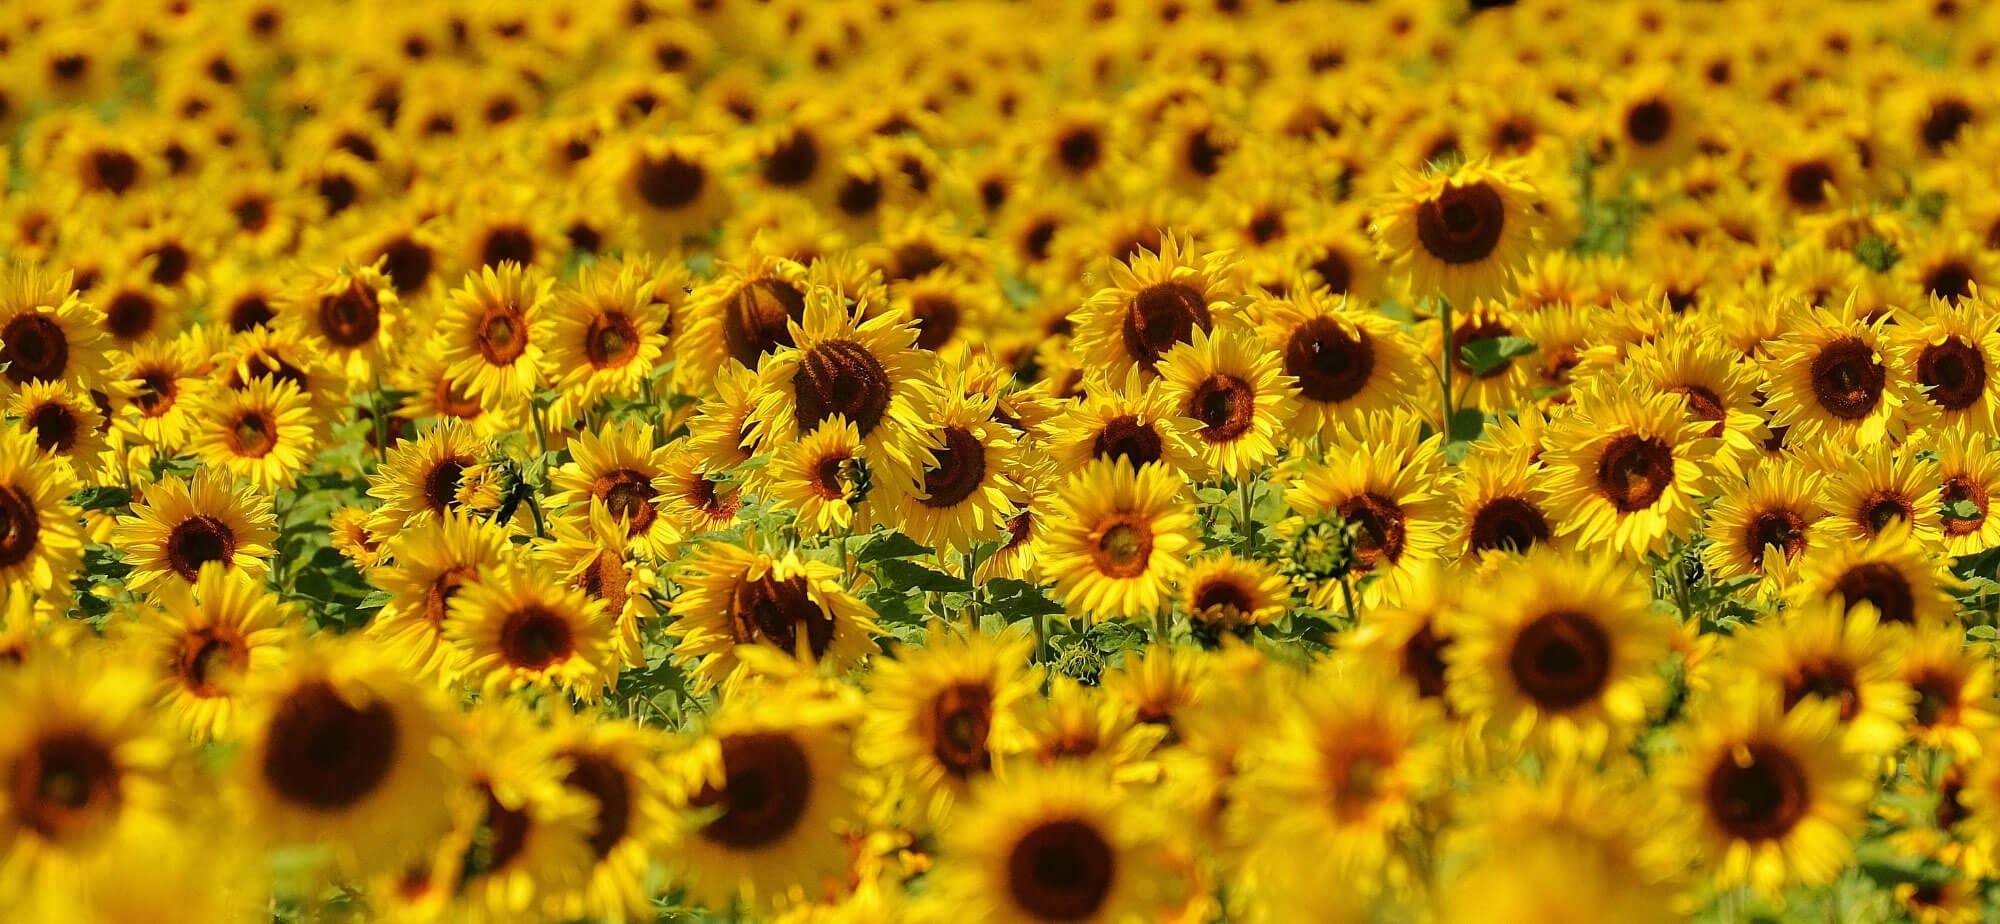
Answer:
(1099, 461)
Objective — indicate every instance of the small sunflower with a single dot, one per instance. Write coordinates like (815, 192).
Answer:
(1840, 377)
(1878, 487)
(606, 335)
(1460, 233)
(1956, 354)
(1970, 475)
(1023, 534)
(1768, 794)
(204, 639)
(823, 478)
(964, 482)
(63, 423)
(419, 480)
(1717, 388)
(1760, 526)
(1157, 298)
(179, 526)
(1563, 652)
(620, 469)
(262, 433)
(1627, 470)
(675, 187)
(1136, 422)
(1955, 710)
(427, 565)
(1117, 536)
(742, 314)
(164, 378)
(733, 597)
(1503, 507)
(597, 556)
(1225, 592)
(521, 628)
(1348, 362)
(1231, 384)
(943, 716)
(1380, 478)
(492, 332)
(353, 310)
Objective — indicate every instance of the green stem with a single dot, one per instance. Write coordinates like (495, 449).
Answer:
(1163, 625)
(1444, 338)
(375, 400)
(1248, 489)
(1681, 595)
(1040, 653)
(1347, 597)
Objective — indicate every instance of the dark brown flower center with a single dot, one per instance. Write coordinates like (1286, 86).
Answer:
(1225, 405)
(20, 526)
(1126, 438)
(627, 495)
(757, 319)
(1080, 149)
(1463, 224)
(1780, 527)
(1160, 316)
(1827, 679)
(1882, 586)
(602, 779)
(131, 315)
(1947, 118)
(325, 754)
(610, 340)
(1962, 488)
(841, 377)
(960, 717)
(34, 348)
(1760, 798)
(253, 435)
(55, 427)
(1954, 372)
(503, 334)
(437, 597)
(938, 317)
(1649, 122)
(249, 313)
(959, 470)
(1380, 530)
(1938, 692)
(1634, 471)
(1224, 595)
(670, 183)
(441, 484)
(63, 784)
(1951, 279)
(1561, 660)
(352, 317)
(534, 638)
(408, 264)
(1847, 380)
(1331, 362)
(1061, 870)
(115, 171)
(1880, 509)
(1335, 272)
(508, 244)
(605, 579)
(1508, 524)
(777, 612)
(1124, 548)
(196, 541)
(793, 162)
(207, 654)
(156, 392)
(1423, 661)
(1702, 404)
(767, 788)
(1806, 184)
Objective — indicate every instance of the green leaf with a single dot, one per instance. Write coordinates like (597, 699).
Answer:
(1466, 424)
(1983, 633)
(102, 498)
(1963, 509)
(889, 546)
(1484, 356)
(898, 572)
(1020, 599)
(1211, 495)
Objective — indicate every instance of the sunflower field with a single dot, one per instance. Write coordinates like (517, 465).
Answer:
(1103, 461)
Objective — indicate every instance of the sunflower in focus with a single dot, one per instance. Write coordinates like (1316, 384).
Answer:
(605, 335)
(427, 565)
(1157, 298)
(963, 483)
(519, 628)
(1231, 384)
(1760, 526)
(944, 717)
(180, 526)
(1225, 592)
(1840, 377)
(1347, 362)
(1117, 535)
(262, 433)
(1627, 469)
(493, 330)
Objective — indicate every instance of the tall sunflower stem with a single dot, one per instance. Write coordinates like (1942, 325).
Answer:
(1444, 365)
(1247, 490)
(1163, 625)
(1682, 597)
(1040, 654)
(376, 400)
(1347, 597)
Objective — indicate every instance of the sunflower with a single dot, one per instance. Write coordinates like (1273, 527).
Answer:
(164, 381)
(1839, 377)
(1348, 362)
(178, 526)
(340, 749)
(1158, 297)
(732, 597)
(1224, 592)
(1461, 233)
(1957, 359)
(693, 497)
(1502, 507)
(47, 334)
(1877, 487)
(675, 187)
(616, 765)
(519, 628)
(1023, 533)
(606, 335)
(963, 484)
(492, 332)
(1627, 469)
(204, 639)
(433, 393)
(520, 834)
(862, 369)
(1970, 474)
(944, 716)
(1381, 479)
(353, 310)
(765, 796)
(822, 478)
(1562, 652)
(720, 433)
(349, 533)
(596, 555)
(40, 544)
(87, 769)
(1342, 775)
(1135, 422)
(1410, 638)
(428, 564)
(1054, 844)
(620, 469)
(1767, 793)
(1904, 580)
(262, 433)
(1760, 526)
(742, 314)
(1230, 383)
(1824, 652)
(1688, 360)
(1955, 711)
(419, 480)
(1654, 123)
(951, 310)
(1117, 536)
(63, 423)
(1508, 383)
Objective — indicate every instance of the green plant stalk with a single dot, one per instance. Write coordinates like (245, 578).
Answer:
(1444, 349)
(1247, 488)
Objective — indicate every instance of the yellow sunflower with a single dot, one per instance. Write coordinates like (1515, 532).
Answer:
(742, 314)
(1872, 488)
(1956, 354)
(1136, 422)
(353, 310)
(822, 478)
(177, 526)
(863, 369)
(419, 480)
(40, 543)
(1347, 362)
(165, 383)
(519, 834)
(1562, 652)
(1767, 794)
(519, 627)
(1955, 710)
(1023, 533)
(675, 187)
(262, 433)
(1718, 389)
(1158, 297)
(1760, 526)
(1827, 652)
(1903, 579)
(962, 486)
(616, 765)
(607, 332)
(62, 422)
(426, 567)
(1503, 506)
(947, 715)
(1840, 377)
(492, 331)
(204, 639)
(1117, 536)
(1230, 383)
(732, 597)
(48, 334)
(1627, 469)
(620, 469)
(1460, 233)
(596, 555)
(1970, 474)
(1225, 592)
(1381, 479)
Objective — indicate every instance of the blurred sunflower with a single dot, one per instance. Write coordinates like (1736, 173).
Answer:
(1460, 233)
(732, 597)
